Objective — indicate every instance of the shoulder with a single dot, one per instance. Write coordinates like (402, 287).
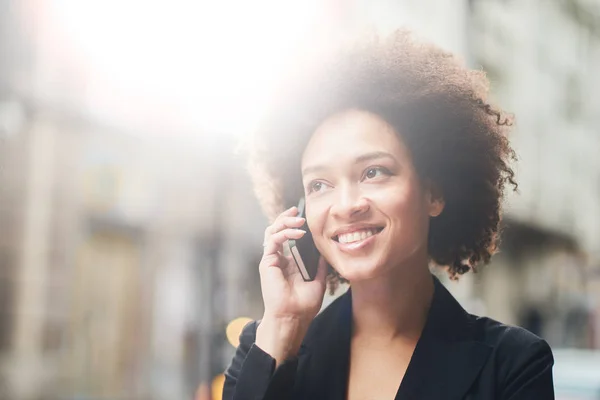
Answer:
(507, 338)
(520, 363)
(515, 351)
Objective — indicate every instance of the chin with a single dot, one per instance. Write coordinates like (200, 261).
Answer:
(355, 270)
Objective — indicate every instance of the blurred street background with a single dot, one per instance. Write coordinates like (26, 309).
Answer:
(129, 233)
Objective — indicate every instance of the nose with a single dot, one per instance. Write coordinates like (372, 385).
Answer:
(349, 203)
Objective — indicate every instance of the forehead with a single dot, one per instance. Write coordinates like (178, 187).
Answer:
(349, 134)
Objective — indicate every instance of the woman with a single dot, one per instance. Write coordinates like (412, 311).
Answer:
(403, 164)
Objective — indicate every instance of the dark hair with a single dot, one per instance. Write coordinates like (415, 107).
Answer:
(440, 109)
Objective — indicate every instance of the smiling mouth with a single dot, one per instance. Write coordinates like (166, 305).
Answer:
(356, 236)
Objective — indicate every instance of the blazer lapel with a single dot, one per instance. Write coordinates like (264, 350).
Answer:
(446, 361)
(448, 356)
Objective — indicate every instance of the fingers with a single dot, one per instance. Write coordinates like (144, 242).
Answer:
(272, 255)
(270, 260)
(288, 214)
(274, 242)
(285, 221)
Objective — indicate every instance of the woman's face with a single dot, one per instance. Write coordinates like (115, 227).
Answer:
(365, 206)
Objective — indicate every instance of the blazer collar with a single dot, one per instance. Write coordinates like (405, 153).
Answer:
(449, 355)
(447, 359)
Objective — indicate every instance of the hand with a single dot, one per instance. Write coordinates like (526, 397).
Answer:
(286, 295)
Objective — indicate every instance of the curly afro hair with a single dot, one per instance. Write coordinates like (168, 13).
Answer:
(439, 108)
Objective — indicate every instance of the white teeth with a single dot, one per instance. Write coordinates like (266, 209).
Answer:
(356, 236)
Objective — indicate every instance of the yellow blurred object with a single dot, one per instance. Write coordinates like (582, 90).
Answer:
(234, 329)
(217, 387)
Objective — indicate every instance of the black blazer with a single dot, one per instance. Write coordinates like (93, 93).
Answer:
(459, 356)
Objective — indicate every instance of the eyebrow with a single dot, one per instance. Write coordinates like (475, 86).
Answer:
(362, 158)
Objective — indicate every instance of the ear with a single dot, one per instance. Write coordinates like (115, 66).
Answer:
(435, 199)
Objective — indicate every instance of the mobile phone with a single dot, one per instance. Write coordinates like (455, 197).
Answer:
(303, 250)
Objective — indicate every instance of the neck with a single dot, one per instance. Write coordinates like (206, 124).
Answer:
(393, 306)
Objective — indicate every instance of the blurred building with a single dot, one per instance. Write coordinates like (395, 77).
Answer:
(542, 59)
(102, 250)
(105, 242)
(106, 236)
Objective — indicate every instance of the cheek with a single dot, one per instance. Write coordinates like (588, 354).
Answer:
(315, 218)
(400, 202)
(407, 213)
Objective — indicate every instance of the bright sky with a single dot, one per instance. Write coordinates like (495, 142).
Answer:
(210, 63)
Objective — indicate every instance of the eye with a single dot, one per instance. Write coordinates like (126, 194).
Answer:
(316, 186)
(375, 172)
